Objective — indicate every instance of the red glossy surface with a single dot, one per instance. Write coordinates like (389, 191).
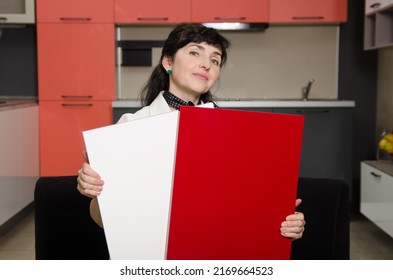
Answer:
(61, 140)
(230, 11)
(152, 11)
(76, 61)
(74, 11)
(308, 11)
(235, 182)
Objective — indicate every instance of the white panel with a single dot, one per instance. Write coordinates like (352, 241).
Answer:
(136, 161)
(19, 159)
(377, 197)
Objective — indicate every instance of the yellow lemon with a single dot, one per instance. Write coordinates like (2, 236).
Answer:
(389, 148)
(389, 137)
(382, 143)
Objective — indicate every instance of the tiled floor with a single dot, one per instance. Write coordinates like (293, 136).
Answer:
(18, 243)
(368, 242)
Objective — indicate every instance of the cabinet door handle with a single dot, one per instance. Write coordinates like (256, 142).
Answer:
(230, 18)
(152, 18)
(77, 105)
(375, 5)
(3, 19)
(76, 18)
(375, 174)
(309, 18)
(77, 96)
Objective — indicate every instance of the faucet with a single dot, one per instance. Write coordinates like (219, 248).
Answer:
(306, 89)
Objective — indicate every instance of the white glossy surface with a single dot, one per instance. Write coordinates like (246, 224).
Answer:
(19, 159)
(141, 201)
(377, 197)
(258, 104)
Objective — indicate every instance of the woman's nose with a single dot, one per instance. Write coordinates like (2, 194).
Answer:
(205, 63)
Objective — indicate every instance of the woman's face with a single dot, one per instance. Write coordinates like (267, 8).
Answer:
(195, 69)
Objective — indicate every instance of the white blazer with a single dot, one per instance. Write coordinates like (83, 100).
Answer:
(158, 106)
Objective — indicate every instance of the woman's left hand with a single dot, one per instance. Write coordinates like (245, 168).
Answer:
(293, 226)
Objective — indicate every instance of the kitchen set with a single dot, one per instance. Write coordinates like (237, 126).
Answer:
(70, 66)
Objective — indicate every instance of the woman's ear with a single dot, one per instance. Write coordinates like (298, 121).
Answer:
(166, 62)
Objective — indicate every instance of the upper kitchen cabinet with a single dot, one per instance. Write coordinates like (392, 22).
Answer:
(17, 11)
(308, 11)
(76, 61)
(100, 11)
(373, 6)
(152, 11)
(378, 24)
(227, 11)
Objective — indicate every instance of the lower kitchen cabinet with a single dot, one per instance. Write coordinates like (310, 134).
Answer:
(376, 193)
(61, 139)
(19, 159)
(327, 142)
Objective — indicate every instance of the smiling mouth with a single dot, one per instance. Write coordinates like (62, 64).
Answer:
(200, 76)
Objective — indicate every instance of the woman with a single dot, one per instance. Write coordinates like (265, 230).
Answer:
(190, 64)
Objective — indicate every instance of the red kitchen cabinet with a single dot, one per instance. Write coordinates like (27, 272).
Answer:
(308, 11)
(227, 11)
(76, 61)
(152, 11)
(74, 11)
(76, 78)
(61, 125)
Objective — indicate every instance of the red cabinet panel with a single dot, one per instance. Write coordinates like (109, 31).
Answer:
(74, 10)
(230, 11)
(152, 11)
(76, 61)
(61, 140)
(290, 11)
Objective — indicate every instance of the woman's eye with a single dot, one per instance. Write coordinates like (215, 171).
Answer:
(215, 62)
(194, 53)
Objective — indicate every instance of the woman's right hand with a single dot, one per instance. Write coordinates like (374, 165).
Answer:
(90, 183)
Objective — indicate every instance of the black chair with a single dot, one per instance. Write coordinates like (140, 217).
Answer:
(64, 229)
(326, 206)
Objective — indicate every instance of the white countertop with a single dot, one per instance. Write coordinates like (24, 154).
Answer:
(10, 105)
(258, 103)
(383, 165)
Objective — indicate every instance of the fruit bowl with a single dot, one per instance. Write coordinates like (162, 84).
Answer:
(385, 146)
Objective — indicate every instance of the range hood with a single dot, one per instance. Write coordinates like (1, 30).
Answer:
(237, 26)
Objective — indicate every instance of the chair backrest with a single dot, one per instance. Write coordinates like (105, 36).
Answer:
(326, 207)
(64, 229)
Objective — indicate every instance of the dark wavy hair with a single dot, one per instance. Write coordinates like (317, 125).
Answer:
(179, 37)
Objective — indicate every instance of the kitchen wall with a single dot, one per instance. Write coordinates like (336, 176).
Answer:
(275, 63)
(385, 91)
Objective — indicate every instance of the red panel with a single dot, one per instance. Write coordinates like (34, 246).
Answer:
(61, 126)
(230, 11)
(235, 182)
(282, 11)
(76, 60)
(75, 11)
(152, 11)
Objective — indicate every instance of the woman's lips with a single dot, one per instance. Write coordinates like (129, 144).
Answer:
(201, 76)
